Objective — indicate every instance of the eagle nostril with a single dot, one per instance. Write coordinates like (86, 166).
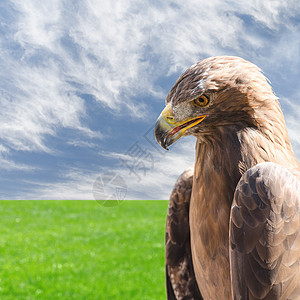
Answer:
(171, 119)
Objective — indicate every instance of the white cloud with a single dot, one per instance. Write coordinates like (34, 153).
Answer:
(292, 118)
(35, 107)
(270, 13)
(155, 183)
(52, 53)
(8, 164)
(73, 189)
(83, 144)
(112, 51)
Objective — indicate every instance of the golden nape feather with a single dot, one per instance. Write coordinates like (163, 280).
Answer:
(233, 222)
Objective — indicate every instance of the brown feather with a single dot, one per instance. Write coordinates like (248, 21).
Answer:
(266, 268)
(180, 277)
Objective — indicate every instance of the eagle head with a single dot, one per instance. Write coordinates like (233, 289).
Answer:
(217, 91)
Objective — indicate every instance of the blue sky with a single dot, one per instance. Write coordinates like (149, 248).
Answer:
(82, 83)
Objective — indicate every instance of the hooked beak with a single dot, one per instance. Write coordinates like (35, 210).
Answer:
(167, 130)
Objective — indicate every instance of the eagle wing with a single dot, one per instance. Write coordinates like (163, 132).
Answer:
(180, 277)
(264, 234)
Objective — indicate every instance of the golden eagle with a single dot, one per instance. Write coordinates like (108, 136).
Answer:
(233, 222)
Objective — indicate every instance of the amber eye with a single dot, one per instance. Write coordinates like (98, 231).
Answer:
(203, 100)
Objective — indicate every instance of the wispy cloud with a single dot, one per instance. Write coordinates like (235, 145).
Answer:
(112, 51)
(56, 56)
(154, 182)
(8, 165)
(292, 118)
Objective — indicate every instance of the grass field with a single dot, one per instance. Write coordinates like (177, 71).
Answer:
(82, 250)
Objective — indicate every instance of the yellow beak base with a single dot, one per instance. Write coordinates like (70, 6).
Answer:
(167, 130)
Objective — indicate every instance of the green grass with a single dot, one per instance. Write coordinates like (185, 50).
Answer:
(82, 250)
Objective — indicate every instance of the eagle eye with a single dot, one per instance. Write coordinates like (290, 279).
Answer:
(202, 101)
